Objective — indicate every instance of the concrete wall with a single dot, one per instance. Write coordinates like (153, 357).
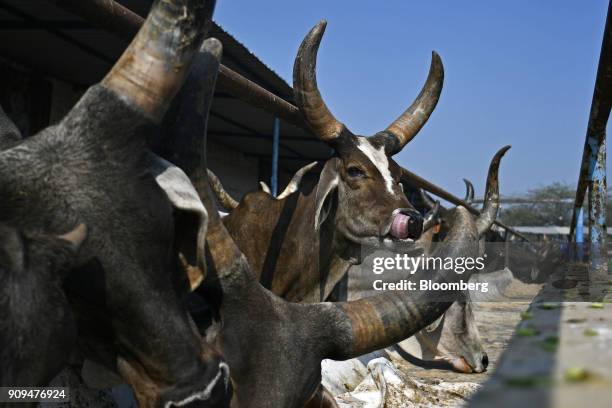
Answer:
(238, 173)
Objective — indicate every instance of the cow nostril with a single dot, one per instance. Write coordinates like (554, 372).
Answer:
(485, 360)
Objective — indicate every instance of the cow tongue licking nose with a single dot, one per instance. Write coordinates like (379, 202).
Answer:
(407, 224)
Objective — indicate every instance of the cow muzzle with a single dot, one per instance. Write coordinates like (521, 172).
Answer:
(406, 223)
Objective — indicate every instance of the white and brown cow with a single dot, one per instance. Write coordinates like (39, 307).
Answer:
(307, 240)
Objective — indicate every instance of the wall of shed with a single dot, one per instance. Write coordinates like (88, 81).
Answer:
(33, 101)
(238, 173)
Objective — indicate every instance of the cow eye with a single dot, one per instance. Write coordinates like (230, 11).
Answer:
(355, 172)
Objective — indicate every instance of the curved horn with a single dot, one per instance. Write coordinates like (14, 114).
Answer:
(152, 69)
(432, 217)
(387, 318)
(223, 196)
(264, 187)
(294, 184)
(491, 199)
(469, 191)
(427, 200)
(305, 91)
(408, 124)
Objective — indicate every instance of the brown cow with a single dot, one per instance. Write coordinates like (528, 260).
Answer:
(314, 235)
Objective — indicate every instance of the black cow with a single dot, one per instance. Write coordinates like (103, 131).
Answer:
(37, 328)
(93, 167)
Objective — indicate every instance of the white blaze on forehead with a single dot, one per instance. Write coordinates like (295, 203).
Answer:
(378, 158)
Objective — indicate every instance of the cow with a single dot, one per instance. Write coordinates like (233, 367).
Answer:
(452, 341)
(37, 328)
(529, 262)
(93, 167)
(275, 347)
(307, 240)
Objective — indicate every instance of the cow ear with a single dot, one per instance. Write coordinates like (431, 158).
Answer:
(328, 182)
(9, 134)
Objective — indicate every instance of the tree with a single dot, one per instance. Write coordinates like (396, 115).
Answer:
(547, 205)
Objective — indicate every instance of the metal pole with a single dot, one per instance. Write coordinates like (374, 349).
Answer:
(597, 209)
(275, 140)
(592, 174)
(506, 250)
(580, 235)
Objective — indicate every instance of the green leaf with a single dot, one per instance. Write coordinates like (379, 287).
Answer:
(550, 343)
(596, 305)
(527, 331)
(548, 306)
(577, 374)
(574, 320)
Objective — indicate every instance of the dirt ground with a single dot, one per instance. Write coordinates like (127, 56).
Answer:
(496, 321)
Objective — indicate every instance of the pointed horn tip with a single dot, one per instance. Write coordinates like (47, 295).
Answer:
(436, 62)
(503, 150)
(76, 236)
(316, 33)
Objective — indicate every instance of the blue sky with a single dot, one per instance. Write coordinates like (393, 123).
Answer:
(517, 72)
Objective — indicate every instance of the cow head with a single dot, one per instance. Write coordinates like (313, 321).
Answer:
(453, 339)
(362, 175)
(32, 270)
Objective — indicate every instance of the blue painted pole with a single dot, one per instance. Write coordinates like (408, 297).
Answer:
(579, 234)
(597, 207)
(275, 141)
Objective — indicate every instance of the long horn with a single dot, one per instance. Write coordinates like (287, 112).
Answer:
(186, 140)
(223, 196)
(305, 91)
(294, 184)
(152, 69)
(426, 199)
(469, 191)
(491, 200)
(379, 321)
(408, 124)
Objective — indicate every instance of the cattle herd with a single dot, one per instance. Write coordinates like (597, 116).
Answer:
(116, 255)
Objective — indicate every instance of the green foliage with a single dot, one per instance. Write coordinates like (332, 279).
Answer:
(550, 205)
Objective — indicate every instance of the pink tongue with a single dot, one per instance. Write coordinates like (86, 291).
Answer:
(399, 226)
